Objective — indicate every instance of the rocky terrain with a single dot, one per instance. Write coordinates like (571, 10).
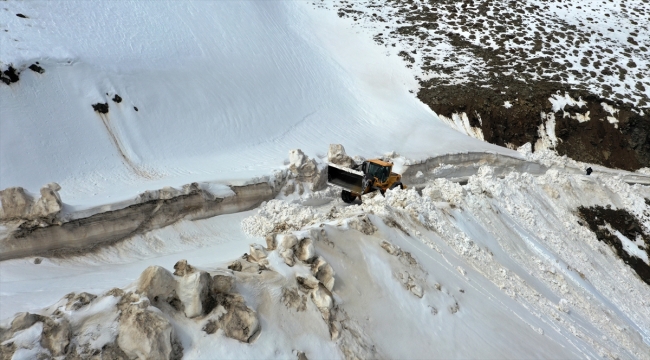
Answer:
(495, 70)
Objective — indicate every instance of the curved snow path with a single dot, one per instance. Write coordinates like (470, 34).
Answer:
(83, 233)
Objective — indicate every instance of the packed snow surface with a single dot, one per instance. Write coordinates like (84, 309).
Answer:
(499, 267)
(223, 95)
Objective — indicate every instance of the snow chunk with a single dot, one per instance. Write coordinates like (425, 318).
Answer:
(460, 123)
(558, 102)
(217, 190)
(581, 117)
(630, 246)
(507, 105)
(610, 109)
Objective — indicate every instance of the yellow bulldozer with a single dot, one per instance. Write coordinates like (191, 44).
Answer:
(371, 175)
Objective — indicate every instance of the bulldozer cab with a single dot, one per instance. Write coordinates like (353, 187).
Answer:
(376, 168)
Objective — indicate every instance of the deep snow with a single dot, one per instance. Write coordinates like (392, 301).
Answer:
(222, 96)
(499, 267)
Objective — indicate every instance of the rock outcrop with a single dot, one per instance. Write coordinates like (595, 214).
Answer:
(156, 283)
(239, 321)
(18, 204)
(193, 289)
(143, 333)
(49, 205)
(304, 169)
(336, 155)
(138, 324)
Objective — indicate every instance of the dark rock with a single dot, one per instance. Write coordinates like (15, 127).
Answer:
(210, 327)
(101, 108)
(36, 68)
(11, 74)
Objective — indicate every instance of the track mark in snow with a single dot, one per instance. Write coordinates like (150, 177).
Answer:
(102, 111)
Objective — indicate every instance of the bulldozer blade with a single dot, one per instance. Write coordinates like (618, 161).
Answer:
(345, 178)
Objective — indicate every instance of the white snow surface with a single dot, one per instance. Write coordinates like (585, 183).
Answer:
(497, 268)
(224, 89)
(503, 267)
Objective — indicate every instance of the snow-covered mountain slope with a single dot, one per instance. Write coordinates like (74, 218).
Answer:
(210, 91)
(497, 268)
(528, 260)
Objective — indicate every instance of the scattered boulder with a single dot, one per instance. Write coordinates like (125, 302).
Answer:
(417, 290)
(363, 224)
(117, 98)
(155, 283)
(56, 336)
(308, 283)
(222, 283)
(324, 301)
(49, 205)
(239, 322)
(289, 188)
(25, 320)
(101, 108)
(300, 164)
(16, 203)
(271, 241)
(390, 248)
(336, 155)
(322, 298)
(307, 170)
(323, 272)
(235, 266)
(194, 293)
(257, 253)
(288, 243)
(116, 292)
(11, 75)
(288, 256)
(182, 268)
(305, 250)
(144, 334)
(291, 298)
(36, 68)
(7, 349)
(76, 302)
(210, 327)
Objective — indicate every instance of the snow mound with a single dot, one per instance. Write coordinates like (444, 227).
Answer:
(18, 204)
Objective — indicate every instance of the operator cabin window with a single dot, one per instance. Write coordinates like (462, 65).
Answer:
(378, 171)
